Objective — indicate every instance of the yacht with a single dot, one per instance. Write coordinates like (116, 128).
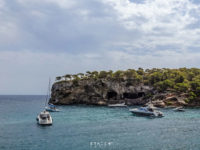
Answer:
(117, 105)
(146, 111)
(44, 118)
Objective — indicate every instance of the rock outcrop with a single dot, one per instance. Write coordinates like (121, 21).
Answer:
(168, 99)
(104, 92)
(100, 92)
(159, 87)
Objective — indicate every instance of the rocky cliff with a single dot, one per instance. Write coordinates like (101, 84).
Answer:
(100, 92)
(161, 87)
(104, 92)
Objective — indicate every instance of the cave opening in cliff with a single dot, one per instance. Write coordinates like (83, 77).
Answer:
(141, 94)
(133, 95)
(112, 95)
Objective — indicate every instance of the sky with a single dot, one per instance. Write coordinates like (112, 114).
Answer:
(49, 38)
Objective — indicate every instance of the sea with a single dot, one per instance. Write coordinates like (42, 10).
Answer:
(82, 127)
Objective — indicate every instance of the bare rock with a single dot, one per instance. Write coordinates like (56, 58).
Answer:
(99, 92)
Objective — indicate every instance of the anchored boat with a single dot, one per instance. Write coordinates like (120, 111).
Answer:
(44, 118)
(146, 111)
(117, 105)
(51, 108)
(179, 109)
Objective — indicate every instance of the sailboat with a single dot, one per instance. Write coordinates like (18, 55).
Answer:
(50, 107)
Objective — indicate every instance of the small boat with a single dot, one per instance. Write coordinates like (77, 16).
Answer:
(52, 108)
(146, 111)
(44, 118)
(179, 109)
(117, 105)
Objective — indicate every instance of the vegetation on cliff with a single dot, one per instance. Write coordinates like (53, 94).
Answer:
(183, 80)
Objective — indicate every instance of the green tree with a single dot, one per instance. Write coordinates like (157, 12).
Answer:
(140, 71)
(164, 85)
(80, 75)
(67, 77)
(58, 78)
(182, 87)
(102, 74)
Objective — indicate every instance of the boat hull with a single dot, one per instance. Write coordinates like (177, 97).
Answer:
(117, 105)
(142, 113)
(46, 122)
(52, 110)
(146, 113)
(179, 109)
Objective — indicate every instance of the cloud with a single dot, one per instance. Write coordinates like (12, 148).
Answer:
(26, 72)
(45, 26)
(160, 22)
(97, 25)
(60, 3)
(46, 38)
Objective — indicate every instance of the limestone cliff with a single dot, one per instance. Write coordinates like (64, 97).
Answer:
(104, 92)
(160, 87)
(100, 92)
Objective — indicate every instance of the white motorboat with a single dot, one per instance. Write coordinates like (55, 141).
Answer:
(146, 111)
(179, 109)
(44, 118)
(52, 108)
(117, 105)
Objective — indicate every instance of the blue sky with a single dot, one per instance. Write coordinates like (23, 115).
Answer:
(48, 38)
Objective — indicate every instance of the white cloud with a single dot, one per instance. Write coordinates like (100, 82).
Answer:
(1, 3)
(160, 22)
(60, 3)
(8, 33)
(65, 36)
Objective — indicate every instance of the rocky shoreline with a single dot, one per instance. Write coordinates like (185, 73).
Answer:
(102, 92)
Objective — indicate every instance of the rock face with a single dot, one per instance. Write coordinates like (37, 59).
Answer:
(168, 99)
(100, 92)
(104, 92)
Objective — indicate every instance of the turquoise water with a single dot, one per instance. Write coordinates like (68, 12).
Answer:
(89, 127)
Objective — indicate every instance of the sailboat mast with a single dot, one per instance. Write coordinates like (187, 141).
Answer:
(49, 89)
(48, 92)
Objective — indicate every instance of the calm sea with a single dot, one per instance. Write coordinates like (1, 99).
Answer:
(93, 128)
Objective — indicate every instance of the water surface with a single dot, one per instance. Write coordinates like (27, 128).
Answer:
(88, 127)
